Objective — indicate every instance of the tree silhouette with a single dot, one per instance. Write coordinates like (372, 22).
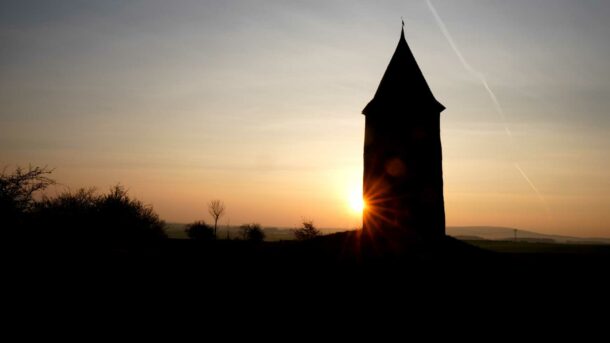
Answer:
(216, 208)
(17, 192)
(307, 231)
(252, 232)
(88, 219)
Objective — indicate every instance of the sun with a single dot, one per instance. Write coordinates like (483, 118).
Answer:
(356, 202)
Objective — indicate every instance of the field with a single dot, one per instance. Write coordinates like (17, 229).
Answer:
(524, 247)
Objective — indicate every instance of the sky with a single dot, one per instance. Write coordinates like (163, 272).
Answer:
(258, 103)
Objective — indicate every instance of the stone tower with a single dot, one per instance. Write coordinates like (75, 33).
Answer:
(403, 172)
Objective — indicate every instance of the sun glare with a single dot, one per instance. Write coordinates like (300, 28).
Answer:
(356, 202)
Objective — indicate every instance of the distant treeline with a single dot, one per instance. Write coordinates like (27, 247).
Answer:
(272, 234)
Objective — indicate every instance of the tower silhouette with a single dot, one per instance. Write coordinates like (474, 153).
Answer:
(403, 176)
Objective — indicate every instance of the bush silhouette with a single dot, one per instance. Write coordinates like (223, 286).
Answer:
(128, 218)
(201, 231)
(252, 232)
(85, 217)
(17, 191)
(307, 231)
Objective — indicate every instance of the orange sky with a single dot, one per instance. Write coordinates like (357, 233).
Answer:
(260, 106)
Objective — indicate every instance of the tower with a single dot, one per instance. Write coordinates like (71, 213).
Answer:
(403, 176)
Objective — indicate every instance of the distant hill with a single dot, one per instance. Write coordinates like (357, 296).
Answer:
(508, 233)
(468, 233)
(175, 230)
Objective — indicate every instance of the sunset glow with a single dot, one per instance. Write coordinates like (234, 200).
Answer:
(356, 202)
(260, 106)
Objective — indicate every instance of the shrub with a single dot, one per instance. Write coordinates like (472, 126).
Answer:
(307, 231)
(85, 216)
(252, 232)
(201, 231)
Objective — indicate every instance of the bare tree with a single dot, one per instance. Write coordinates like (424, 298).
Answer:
(216, 208)
(17, 189)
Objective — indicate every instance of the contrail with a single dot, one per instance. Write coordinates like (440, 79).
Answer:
(542, 200)
(469, 68)
(481, 77)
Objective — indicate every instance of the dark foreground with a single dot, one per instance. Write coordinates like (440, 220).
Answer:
(344, 259)
(328, 279)
(337, 281)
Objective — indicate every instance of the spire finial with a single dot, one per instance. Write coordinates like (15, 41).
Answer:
(403, 22)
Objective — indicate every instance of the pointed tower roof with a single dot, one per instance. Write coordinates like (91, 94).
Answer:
(403, 85)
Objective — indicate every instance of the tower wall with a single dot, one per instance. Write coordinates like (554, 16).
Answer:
(403, 177)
